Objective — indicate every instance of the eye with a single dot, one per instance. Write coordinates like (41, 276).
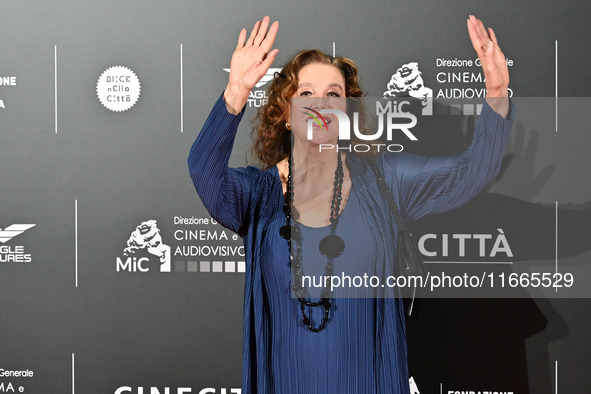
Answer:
(333, 94)
(305, 93)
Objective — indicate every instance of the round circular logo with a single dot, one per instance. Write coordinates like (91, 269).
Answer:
(118, 88)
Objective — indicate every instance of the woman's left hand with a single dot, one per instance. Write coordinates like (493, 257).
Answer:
(494, 64)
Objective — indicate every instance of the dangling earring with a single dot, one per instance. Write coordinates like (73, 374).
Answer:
(287, 125)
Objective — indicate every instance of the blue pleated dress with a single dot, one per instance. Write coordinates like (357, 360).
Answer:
(363, 347)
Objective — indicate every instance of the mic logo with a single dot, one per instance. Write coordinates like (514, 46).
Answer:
(146, 237)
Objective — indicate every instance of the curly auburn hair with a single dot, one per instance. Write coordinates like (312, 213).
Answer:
(273, 140)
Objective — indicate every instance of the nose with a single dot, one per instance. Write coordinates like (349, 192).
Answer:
(317, 102)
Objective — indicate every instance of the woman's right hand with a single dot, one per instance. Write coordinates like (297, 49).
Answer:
(250, 62)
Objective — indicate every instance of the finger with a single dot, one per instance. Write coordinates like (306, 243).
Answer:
(479, 40)
(262, 31)
(253, 33)
(498, 52)
(487, 44)
(241, 39)
(266, 64)
(270, 38)
(489, 52)
(476, 23)
(492, 36)
(489, 65)
(481, 34)
(482, 31)
(474, 36)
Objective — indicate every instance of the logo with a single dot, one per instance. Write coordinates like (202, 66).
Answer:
(196, 244)
(258, 98)
(491, 247)
(175, 390)
(13, 254)
(455, 80)
(12, 231)
(407, 82)
(146, 237)
(462, 78)
(324, 124)
(118, 88)
(390, 118)
(6, 81)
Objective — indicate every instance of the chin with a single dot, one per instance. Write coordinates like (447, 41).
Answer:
(324, 139)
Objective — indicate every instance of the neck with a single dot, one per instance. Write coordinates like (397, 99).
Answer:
(313, 175)
(310, 165)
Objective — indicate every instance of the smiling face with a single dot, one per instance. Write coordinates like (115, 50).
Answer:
(320, 86)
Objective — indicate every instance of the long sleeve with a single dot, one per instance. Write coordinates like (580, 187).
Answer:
(437, 184)
(225, 192)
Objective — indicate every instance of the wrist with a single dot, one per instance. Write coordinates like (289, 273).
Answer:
(235, 98)
(498, 92)
(499, 104)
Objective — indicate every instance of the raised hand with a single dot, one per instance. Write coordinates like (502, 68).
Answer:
(494, 64)
(250, 62)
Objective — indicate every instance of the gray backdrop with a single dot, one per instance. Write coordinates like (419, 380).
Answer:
(82, 317)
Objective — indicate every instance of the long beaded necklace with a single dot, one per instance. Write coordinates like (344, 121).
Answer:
(330, 246)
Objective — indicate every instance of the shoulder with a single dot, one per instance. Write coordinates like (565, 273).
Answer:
(257, 176)
(262, 182)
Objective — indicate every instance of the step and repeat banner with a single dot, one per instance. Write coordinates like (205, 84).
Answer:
(114, 279)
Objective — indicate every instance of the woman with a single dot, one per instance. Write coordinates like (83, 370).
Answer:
(326, 345)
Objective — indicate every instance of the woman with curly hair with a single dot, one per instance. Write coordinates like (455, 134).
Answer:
(299, 343)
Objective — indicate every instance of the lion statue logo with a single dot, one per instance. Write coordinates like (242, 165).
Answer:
(407, 82)
(147, 236)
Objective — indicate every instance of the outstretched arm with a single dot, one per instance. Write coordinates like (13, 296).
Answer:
(437, 184)
(226, 192)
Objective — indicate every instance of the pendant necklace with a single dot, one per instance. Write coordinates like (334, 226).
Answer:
(331, 246)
